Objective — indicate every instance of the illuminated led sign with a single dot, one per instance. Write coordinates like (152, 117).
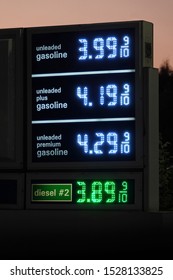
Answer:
(84, 190)
(85, 95)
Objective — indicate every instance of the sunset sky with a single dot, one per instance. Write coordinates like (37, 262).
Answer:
(20, 13)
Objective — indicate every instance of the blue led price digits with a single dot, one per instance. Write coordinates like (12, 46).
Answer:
(109, 48)
(102, 192)
(109, 95)
(118, 146)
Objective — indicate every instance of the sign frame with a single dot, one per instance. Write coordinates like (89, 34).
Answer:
(12, 119)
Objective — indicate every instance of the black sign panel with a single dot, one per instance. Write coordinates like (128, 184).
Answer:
(85, 96)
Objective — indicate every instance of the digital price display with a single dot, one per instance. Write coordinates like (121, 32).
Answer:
(84, 190)
(85, 96)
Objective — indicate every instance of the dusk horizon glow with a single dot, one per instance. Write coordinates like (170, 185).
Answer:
(50, 13)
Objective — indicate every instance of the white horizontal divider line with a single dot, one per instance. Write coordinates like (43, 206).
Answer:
(83, 120)
(83, 73)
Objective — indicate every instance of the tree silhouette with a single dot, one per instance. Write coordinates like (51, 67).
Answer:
(166, 135)
(166, 103)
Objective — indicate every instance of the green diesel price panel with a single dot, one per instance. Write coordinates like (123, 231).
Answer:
(84, 190)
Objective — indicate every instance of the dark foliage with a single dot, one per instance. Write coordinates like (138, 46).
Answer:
(166, 136)
(166, 103)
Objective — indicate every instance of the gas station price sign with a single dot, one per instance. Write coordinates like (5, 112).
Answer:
(85, 96)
